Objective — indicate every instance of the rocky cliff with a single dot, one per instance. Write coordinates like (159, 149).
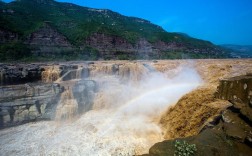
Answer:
(115, 47)
(48, 41)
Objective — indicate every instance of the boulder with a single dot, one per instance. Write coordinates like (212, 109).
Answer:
(238, 118)
(208, 143)
(238, 90)
(234, 131)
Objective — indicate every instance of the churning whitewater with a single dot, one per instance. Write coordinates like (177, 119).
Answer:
(123, 119)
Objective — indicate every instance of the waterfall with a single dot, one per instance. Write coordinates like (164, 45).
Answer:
(121, 102)
(1, 77)
(67, 107)
(51, 74)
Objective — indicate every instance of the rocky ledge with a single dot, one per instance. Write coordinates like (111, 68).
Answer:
(31, 92)
(19, 73)
(44, 101)
(15, 74)
(28, 102)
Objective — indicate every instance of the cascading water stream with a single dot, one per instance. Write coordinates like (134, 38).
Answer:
(51, 74)
(123, 119)
(67, 107)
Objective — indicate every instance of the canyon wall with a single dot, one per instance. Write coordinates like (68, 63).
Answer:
(48, 41)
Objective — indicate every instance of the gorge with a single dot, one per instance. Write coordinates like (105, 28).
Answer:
(122, 107)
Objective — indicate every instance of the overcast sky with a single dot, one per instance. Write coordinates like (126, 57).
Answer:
(219, 21)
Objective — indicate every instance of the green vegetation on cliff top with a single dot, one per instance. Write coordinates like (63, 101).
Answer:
(77, 23)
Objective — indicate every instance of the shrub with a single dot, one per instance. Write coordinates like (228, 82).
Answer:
(184, 149)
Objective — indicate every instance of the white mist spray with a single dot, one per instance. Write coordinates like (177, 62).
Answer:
(124, 119)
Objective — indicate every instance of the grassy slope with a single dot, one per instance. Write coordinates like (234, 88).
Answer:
(77, 23)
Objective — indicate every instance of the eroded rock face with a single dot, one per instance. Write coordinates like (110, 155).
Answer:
(113, 46)
(18, 74)
(238, 91)
(29, 102)
(13, 74)
(106, 43)
(48, 41)
(47, 36)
